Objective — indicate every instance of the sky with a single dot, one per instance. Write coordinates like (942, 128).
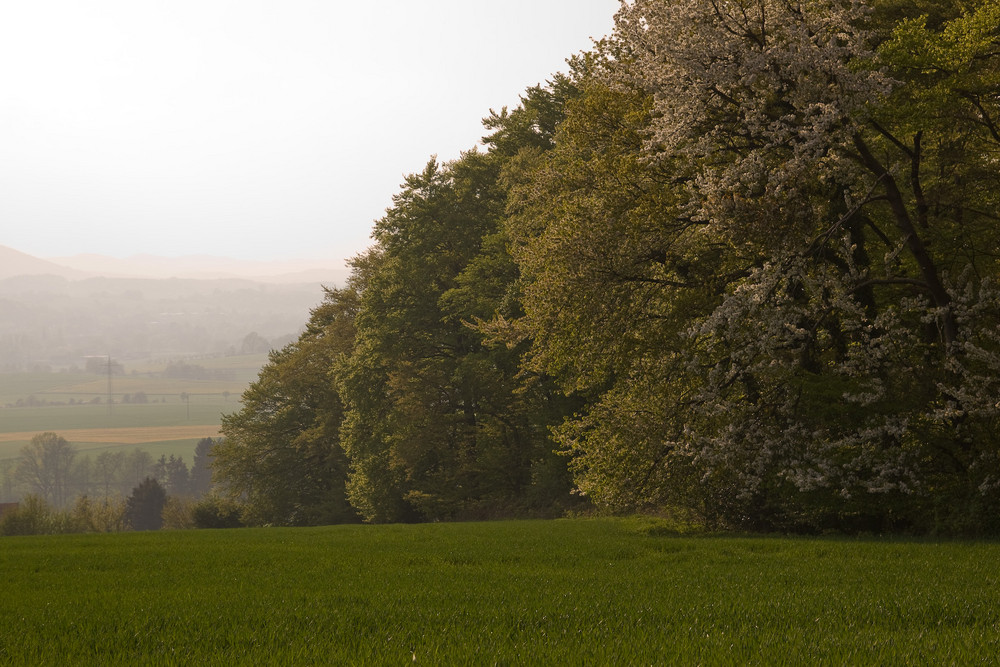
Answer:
(250, 129)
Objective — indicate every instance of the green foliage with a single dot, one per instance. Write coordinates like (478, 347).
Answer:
(45, 467)
(144, 508)
(754, 246)
(178, 513)
(201, 469)
(35, 516)
(616, 273)
(534, 122)
(739, 264)
(214, 511)
(559, 592)
(103, 515)
(282, 457)
(440, 424)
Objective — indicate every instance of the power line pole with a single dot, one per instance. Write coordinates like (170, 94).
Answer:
(111, 395)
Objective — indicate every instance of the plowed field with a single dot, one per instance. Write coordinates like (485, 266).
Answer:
(125, 436)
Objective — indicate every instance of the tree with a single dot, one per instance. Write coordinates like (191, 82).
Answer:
(201, 469)
(45, 465)
(138, 466)
(533, 123)
(788, 267)
(34, 516)
(214, 511)
(439, 424)
(109, 467)
(144, 508)
(173, 474)
(282, 456)
(254, 343)
(178, 513)
(396, 404)
(108, 515)
(613, 273)
(178, 477)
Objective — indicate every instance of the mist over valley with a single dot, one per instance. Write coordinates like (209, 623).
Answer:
(53, 315)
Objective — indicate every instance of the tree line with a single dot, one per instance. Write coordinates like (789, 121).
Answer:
(739, 262)
(61, 492)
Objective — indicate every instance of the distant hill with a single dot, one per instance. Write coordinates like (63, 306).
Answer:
(56, 313)
(206, 267)
(16, 263)
(48, 321)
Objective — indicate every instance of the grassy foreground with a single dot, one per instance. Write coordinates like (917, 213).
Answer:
(558, 592)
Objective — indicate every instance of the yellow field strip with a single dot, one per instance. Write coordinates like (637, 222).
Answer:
(124, 436)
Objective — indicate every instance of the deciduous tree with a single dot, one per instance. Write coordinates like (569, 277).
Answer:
(440, 424)
(45, 465)
(802, 221)
(282, 456)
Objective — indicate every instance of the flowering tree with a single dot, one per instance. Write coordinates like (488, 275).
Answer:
(801, 283)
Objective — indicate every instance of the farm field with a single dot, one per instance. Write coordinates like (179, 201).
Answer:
(147, 376)
(91, 429)
(609, 591)
(177, 440)
(175, 413)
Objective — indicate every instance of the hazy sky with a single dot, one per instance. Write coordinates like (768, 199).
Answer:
(250, 129)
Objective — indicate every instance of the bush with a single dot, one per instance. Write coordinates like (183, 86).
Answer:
(216, 512)
(34, 516)
(101, 516)
(178, 513)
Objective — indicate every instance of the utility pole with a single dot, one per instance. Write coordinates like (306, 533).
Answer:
(109, 369)
(111, 395)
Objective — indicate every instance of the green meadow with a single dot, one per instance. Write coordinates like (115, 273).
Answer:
(575, 591)
(141, 376)
(165, 411)
(161, 421)
(32, 403)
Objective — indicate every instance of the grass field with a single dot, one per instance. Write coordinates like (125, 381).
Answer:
(91, 429)
(607, 592)
(145, 376)
(177, 440)
(179, 411)
(197, 410)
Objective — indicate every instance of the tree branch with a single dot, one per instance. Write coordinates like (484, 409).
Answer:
(888, 135)
(913, 282)
(984, 117)
(918, 190)
(912, 240)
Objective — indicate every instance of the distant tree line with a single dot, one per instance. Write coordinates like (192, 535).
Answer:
(104, 366)
(186, 371)
(33, 401)
(114, 491)
(741, 263)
